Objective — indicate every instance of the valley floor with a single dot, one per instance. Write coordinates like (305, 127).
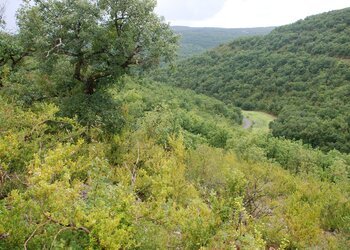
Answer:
(257, 120)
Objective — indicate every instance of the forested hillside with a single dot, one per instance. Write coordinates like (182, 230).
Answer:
(299, 72)
(95, 155)
(197, 40)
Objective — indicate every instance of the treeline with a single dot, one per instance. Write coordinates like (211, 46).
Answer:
(299, 72)
(197, 40)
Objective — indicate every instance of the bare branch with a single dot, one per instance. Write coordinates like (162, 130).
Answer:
(33, 233)
(138, 154)
(134, 170)
(69, 226)
(60, 44)
(4, 235)
(54, 238)
(130, 59)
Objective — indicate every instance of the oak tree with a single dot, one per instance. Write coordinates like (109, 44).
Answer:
(101, 39)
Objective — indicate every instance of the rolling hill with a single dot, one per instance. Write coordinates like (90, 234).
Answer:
(299, 72)
(197, 40)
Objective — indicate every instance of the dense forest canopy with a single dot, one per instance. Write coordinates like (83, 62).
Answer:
(139, 164)
(300, 72)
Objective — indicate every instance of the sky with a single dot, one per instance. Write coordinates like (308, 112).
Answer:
(225, 13)
(243, 13)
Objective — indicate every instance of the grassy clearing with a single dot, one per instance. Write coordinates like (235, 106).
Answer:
(260, 120)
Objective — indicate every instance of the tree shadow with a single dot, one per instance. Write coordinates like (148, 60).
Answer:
(98, 110)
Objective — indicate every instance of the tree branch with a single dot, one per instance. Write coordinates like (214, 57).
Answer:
(54, 238)
(56, 46)
(100, 75)
(134, 169)
(69, 226)
(4, 235)
(33, 233)
(129, 59)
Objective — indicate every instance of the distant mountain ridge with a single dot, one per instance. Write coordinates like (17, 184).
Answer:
(300, 72)
(197, 40)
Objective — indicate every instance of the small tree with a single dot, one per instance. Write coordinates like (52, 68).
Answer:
(101, 39)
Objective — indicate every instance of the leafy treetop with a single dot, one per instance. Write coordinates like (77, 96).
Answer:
(101, 39)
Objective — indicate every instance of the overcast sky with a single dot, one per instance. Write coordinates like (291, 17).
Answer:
(243, 13)
(227, 13)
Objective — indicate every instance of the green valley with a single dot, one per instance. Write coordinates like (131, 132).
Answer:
(259, 120)
(100, 149)
(297, 72)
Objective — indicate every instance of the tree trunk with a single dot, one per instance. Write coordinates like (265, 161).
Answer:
(90, 86)
(77, 69)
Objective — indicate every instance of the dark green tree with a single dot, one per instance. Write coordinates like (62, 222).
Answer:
(101, 39)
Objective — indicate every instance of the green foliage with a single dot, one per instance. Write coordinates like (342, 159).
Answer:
(299, 72)
(25, 132)
(12, 53)
(98, 110)
(156, 182)
(100, 39)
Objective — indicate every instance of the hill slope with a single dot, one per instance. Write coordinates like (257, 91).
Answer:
(300, 72)
(179, 163)
(197, 40)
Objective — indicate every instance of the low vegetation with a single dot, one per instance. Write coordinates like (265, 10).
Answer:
(259, 120)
